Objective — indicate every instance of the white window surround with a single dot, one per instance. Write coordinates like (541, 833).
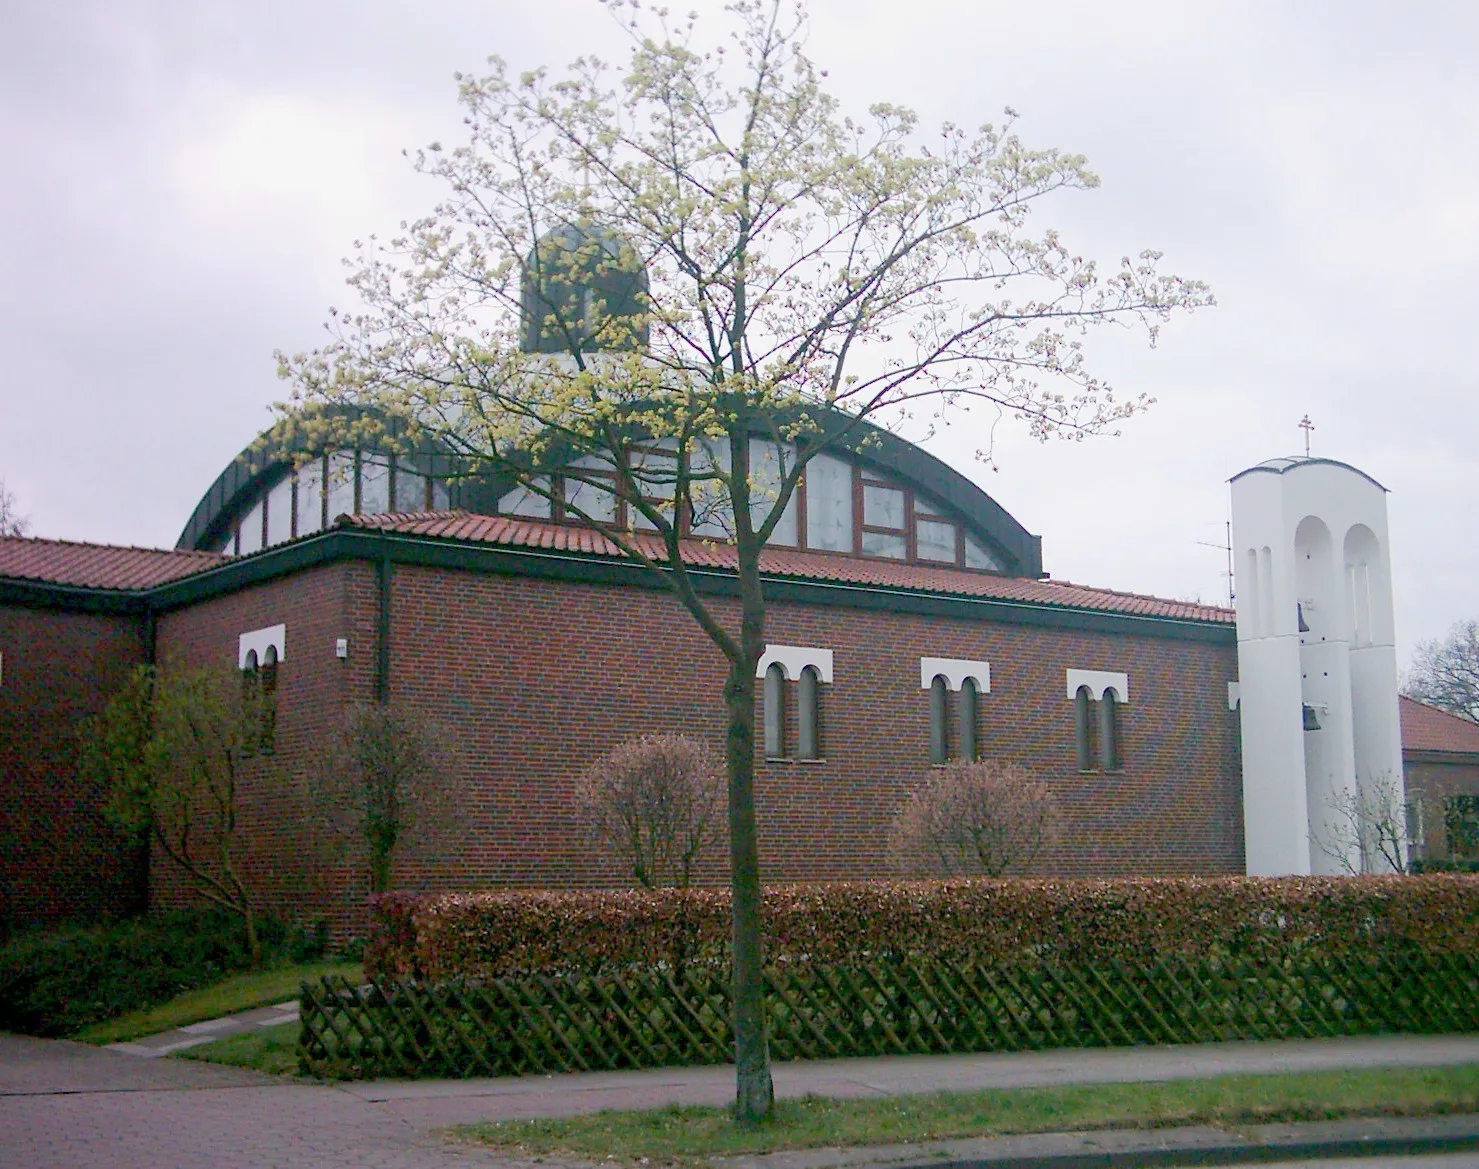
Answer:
(955, 671)
(792, 659)
(259, 640)
(1098, 681)
(1234, 695)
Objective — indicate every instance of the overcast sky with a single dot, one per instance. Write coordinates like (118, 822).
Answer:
(180, 180)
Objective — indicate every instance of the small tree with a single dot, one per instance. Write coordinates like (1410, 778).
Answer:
(986, 818)
(389, 776)
(12, 523)
(1445, 673)
(1366, 830)
(657, 802)
(173, 749)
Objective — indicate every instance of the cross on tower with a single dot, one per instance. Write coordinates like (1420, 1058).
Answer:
(1306, 425)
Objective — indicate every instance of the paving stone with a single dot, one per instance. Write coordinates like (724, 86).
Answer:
(70, 1106)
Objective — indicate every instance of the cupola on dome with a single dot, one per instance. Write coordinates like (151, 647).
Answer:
(584, 289)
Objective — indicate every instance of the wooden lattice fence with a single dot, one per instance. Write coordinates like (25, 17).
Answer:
(656, 1018)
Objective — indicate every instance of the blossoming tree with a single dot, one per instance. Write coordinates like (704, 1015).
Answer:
(757, 264)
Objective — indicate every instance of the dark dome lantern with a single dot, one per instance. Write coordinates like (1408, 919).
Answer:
(584, 289)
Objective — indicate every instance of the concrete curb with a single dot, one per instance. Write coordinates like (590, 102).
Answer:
(1126, 1148)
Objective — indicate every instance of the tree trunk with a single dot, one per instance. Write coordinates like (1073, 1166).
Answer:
(754, 1092)
(254, 943)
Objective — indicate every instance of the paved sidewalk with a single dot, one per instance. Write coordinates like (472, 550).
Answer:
(580, 1092)
(68, 1106)
(195, 1034)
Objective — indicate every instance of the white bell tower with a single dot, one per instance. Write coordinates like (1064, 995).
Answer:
(1317, 664)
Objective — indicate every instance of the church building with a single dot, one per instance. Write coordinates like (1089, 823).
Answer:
(910, 621)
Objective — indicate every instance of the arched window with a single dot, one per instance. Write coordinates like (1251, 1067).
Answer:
(808, 715)
(1109, 732)
(1083, 728)
(939, 729)
(250, 677)
(967, 719)
(775, 712)
(268, 698)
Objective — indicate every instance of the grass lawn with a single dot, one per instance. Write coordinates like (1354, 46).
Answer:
(240, 992)
(272, 1049)
(690, 1135)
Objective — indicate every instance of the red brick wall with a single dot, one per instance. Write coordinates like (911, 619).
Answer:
(540, 677)
(59, 859)
(536, 678)
(1436, 782)
(292, 862)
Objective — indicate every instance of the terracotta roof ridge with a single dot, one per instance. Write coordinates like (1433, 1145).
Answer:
(780, 561)
(59, 543)
(1132, 595)
(383, 519)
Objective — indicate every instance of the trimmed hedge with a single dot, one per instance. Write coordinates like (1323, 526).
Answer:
(1129, 920)
(55, 982)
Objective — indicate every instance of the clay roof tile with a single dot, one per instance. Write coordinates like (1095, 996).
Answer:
(98, 566)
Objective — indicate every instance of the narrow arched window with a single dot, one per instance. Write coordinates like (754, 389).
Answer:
(939, 730)
(1083, 728)
(966, 719)
(268, 697)
(775, 712)
(808, 715)
(1109, 732)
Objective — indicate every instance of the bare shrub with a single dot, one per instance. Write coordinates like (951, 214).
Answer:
(388, 781)
(1366, 829)
(976, 819)
(657, 803)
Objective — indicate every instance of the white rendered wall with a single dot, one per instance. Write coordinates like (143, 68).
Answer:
(1373, 670)
(1310, 537)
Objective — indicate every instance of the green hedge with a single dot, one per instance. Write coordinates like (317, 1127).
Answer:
(1132, 920)
(55, 982)
(1445, 866)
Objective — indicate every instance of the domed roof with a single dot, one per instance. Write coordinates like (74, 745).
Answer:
(1288, 463)
(584, 289)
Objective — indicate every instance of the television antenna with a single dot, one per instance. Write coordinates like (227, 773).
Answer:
(1226, 547)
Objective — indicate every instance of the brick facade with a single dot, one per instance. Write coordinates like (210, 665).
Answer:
(535, 671)
(540, 677)
(59, 859)
(534, 678)
(1430, 781)
(284, 838)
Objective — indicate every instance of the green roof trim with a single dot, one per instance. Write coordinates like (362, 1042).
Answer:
(342, 544)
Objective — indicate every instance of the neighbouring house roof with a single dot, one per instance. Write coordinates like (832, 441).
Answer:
(1426, 728)
(96, 566)
(518, 532)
